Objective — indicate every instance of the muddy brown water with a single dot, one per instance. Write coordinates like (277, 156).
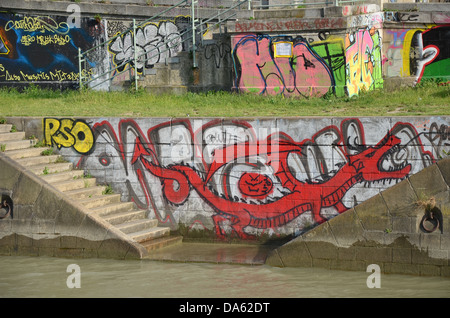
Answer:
(49, 277)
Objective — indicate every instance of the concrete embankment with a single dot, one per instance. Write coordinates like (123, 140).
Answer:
(383, 194)
(394, 230)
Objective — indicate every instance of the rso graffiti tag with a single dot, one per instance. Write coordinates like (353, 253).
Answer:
(68, 133)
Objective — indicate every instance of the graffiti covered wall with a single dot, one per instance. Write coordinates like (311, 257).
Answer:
(355, 55)
(422, 53)
(249, 179)
(43, 49)
(311, 58)
(314, 64)
(155, 42)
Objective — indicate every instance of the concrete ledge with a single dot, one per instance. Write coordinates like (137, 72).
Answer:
(384, 230)
(106, 10)
(327, 12)
(287, 25)
(411, 7)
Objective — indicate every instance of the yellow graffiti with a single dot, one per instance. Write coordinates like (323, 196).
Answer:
(27, 40)
(3, 46)
(360, 55)
(38, 24)
(57, 75)
(406, 52)
(68, 133)
(45, 39)
(55, 39)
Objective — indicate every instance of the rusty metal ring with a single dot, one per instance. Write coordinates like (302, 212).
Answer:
(432, 220)
(7, 213)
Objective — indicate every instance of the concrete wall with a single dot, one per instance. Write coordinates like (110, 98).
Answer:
(43, 223)
(43, 50)
(338, 50)
(256, 179)
(386, 230)
(416, 43)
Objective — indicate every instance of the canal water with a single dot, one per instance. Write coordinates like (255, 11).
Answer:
(47, 277)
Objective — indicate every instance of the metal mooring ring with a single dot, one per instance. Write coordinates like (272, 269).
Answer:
(429, 218)
(6, 205)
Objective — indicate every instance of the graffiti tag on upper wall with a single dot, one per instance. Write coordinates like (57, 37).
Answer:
(155, 42)
(41, 49)
(230, 178)
(422, 53)
(338, 65)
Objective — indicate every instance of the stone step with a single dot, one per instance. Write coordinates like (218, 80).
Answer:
(137, 225)
(25, 153)
(149, 234)
(5, 128)
(83, 193)
(16, 144)
(12, 136)
(50, 168)
(154, 244)
(64, 176)
(112, 208)
(33, 161)
(74, 184)
(100, 201)
(125, 216)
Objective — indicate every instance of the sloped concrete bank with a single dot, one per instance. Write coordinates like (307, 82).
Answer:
(45, 223)
(353, 191)
(386, 230)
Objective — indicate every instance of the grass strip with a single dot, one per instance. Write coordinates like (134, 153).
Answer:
(428, 99)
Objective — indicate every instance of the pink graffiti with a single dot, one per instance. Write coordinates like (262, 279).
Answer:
(259, 71)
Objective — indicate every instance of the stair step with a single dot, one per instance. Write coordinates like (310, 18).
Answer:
(109, 209)
(74, 184)
(62, 176)
(10, 136)
(16, 144)
(126, 216)
(5, 128)
(149, 234)
(161, 242)
(100, 200)
(83, 193)
(137, 225)
(25, 153)
(50, 168)
(33, 161)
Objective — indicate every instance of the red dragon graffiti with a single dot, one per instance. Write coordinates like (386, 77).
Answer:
(253, 208)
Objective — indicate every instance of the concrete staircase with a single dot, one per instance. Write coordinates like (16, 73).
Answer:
(74, 184)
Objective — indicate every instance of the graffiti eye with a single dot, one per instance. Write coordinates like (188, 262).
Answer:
(255, 185)
(104, 159)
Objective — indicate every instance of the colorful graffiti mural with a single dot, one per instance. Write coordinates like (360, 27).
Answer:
(343, 66)
(40, 49)
(363, 56)
(234, 178)
(422, 53)
(303, 72)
